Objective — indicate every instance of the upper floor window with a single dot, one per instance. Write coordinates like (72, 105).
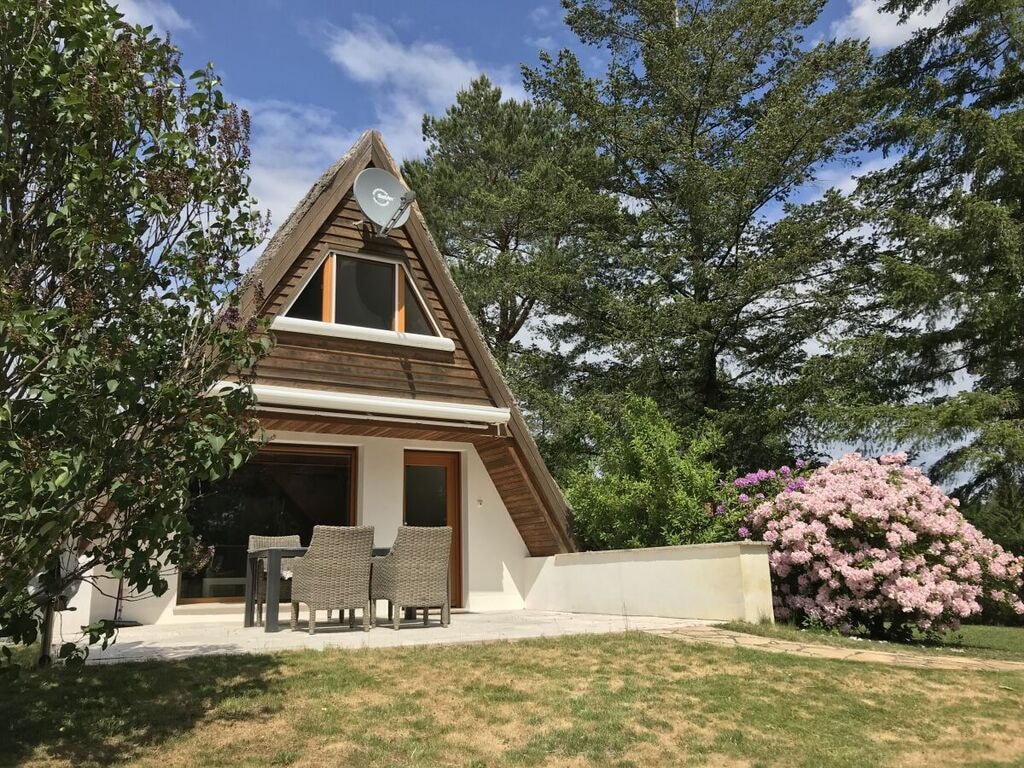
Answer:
(363, 292)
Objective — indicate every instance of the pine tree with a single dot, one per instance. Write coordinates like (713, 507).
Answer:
(717, 118)
(939, 360)
(512, 193)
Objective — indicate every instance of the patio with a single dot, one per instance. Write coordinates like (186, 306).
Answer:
(176, 641)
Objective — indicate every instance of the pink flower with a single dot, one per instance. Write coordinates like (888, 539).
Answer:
(893, 458)
(861, 538)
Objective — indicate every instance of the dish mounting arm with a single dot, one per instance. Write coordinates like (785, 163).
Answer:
(404, 202)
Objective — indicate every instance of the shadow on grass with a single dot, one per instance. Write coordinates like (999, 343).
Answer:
(106, 714)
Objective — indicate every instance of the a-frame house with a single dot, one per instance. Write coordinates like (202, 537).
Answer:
(382, 405)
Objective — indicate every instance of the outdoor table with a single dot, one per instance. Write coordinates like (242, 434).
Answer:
(273, 556)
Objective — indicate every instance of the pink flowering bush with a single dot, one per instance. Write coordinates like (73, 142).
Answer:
(872, 546)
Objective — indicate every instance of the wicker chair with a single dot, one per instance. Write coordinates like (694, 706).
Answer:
(266, 542)
(415, 573)
(334, 573)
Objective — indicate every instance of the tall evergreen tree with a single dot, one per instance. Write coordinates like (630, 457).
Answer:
(507, 187)
(512, 192)
(717, 118)
(940, 359)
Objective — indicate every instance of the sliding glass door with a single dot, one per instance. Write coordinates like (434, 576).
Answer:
(284, 490)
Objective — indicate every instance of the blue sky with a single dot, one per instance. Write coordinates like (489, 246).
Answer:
(315, 74)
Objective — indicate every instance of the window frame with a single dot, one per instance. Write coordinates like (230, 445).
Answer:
(396, 334)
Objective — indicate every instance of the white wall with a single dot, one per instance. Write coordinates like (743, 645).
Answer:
(723, 582)
(493, 552)
(710, 581)
(93, 601)
(97, 599)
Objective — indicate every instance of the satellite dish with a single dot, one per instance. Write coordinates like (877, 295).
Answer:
(383, 199)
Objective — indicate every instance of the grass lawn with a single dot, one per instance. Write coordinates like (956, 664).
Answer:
(23, 656)
(983, 642)
(618, 700)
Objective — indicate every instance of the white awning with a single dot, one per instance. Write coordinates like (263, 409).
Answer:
(346, 403)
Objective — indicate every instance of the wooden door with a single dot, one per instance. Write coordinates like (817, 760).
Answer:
(432, 493)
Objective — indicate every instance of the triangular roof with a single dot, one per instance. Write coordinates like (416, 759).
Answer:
(541, 512)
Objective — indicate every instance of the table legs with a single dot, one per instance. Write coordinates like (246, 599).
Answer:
(273, 591)
(250, 590)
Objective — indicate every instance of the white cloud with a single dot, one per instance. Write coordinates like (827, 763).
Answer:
(545, 17)
(633, 205)
(291, 145)
(544, 42)
(158, 13)
(550, 30)
(405, 80)
(867, 20)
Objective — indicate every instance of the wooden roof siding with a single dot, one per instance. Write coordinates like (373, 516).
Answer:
(319, 362)
(324, 221)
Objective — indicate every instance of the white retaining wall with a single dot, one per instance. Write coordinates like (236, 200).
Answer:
(729, 581)
(720, 582)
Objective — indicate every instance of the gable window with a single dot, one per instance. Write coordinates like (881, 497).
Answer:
(367, 293)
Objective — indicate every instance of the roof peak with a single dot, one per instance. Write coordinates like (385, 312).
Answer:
(370, 141)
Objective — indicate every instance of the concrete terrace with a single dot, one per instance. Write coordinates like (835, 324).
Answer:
(177, 641)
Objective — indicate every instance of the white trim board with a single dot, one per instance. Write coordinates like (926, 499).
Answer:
(340, 331)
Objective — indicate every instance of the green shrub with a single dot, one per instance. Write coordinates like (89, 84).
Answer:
(1000, 515)
(645, 489)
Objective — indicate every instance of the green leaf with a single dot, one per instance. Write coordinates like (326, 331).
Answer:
(62, 479)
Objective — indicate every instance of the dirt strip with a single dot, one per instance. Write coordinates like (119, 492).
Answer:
(722, 637)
